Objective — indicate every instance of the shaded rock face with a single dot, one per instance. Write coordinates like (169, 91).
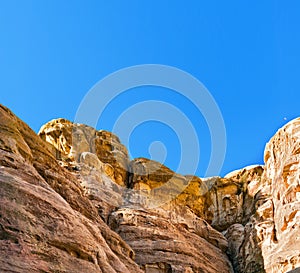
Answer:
(244, 245)
(147, 174)
(243, 248)
(224, 202)
(72, 201)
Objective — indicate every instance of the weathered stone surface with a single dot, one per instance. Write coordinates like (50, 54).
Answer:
(171, 241)
(230, 200)
(63, 200)
(243, 248)
(220, 201)
(129, 223)
(50, 215)
(157, 185)
(102, 191)
(272, 236)
(235, 235)
(71, 140)
(46, 222)
(250, 177)
(280, 213)
(223, 202)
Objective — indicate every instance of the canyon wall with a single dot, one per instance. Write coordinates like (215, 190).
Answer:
(73, 201)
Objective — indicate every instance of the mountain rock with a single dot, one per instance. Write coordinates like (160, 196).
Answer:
(271, 238)
(71, 140)
(46, 222)
(281, 211)
(179, 241)
(72, 201)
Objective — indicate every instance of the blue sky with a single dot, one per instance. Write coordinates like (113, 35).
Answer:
(246, 53)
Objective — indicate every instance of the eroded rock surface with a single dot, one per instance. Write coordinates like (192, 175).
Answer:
(271, 239)
(46, 222)
(281, 214)
(71, 140)
(56, 202)
(220, 201)
(71, 201)
(179, 241)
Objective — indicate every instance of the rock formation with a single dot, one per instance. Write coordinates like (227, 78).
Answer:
(47, 224)
(270, 241)
(72, 201)
(71, 140)
(280, 213)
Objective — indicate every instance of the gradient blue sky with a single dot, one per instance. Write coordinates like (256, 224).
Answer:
(247, 54)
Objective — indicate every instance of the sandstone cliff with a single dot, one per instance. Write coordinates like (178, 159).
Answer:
(72, 201)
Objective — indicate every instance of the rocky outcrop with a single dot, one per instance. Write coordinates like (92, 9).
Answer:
(220, 201)
(151, 233)
(244, 249)
(171, 241)
(46, 222)
(71, 140)
(280, 213)
(143, 228)
(271, 239)
(57, 202)
(72, 201)
(243, 243)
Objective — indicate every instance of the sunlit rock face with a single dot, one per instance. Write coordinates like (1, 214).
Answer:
(220, 201)
(281, 237)
(72, 201)
(270, 241)
(47, 223)
(71, 140)
(61, 210)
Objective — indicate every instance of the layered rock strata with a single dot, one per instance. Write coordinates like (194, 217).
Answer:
(72, 201)
(47, 224)
(60, 210)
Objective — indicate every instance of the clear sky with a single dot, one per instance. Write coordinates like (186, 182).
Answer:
(246, 53)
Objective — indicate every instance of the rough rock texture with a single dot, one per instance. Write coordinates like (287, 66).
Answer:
(46, 222)
(151, 233)
(161, 237)
(220, 201)
(147, 174)
(271, 239)
(244, 249)
(71, 201)
(71, 140)
(56, 203)
(280, 215)
(157, 185)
